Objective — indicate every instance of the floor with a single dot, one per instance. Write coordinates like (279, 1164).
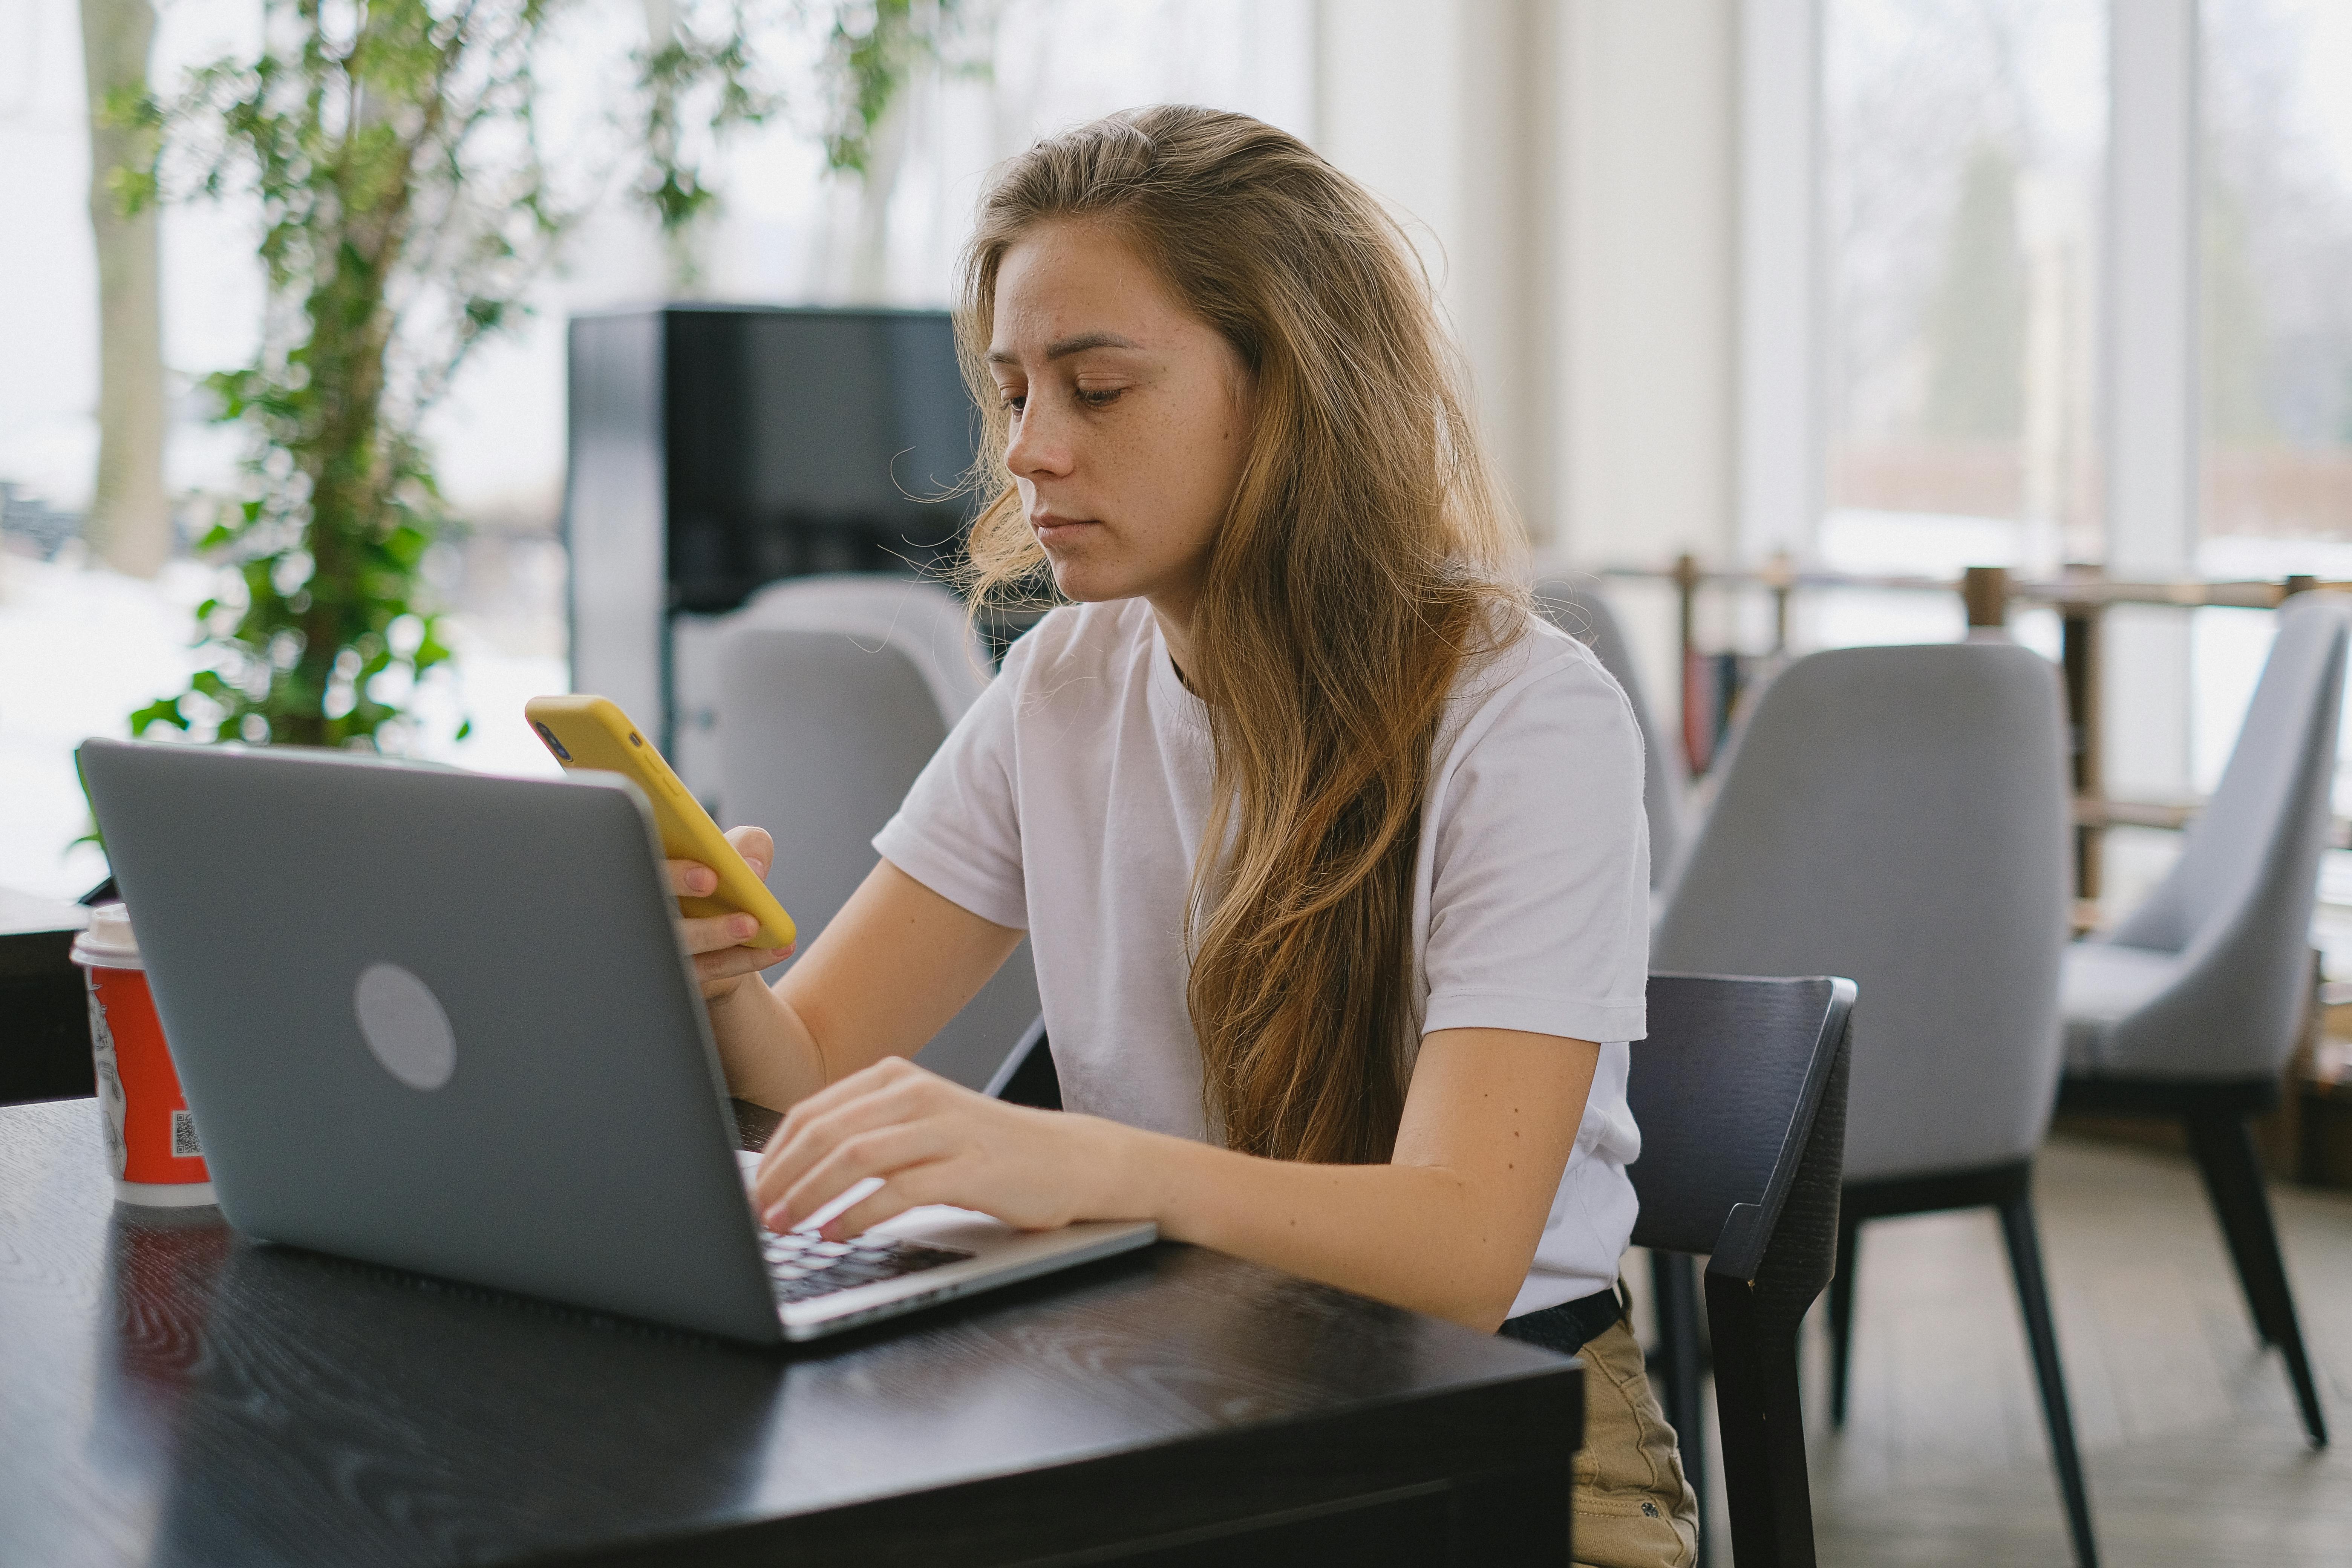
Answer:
(2194, 1452)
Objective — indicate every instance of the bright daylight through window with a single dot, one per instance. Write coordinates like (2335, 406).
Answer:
(785, 232)
(1963, 186)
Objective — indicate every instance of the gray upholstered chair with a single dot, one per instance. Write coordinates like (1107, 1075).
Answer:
(2190, 1008)
(1577, 608)
(917, 618)
(1899, 816)
(833, 692)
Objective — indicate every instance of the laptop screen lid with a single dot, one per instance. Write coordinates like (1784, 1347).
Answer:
(438, 1020)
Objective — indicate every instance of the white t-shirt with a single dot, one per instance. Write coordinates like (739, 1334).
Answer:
(1071, 799)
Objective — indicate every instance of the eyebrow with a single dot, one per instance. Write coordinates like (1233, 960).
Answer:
(1061, 348)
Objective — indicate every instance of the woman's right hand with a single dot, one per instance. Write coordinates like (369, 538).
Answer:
(722, 963)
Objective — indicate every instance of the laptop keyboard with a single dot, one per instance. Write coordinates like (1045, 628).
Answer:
(803, 1265)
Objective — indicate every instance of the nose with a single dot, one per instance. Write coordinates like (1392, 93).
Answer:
(1041, 446)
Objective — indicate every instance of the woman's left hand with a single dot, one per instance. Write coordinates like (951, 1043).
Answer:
(932, 1141)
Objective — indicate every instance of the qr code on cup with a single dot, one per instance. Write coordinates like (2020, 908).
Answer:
(183, 1137)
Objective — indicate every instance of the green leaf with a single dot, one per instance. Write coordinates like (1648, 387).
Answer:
(164, 711)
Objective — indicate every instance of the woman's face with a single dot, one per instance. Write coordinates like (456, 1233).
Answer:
(1129, 417)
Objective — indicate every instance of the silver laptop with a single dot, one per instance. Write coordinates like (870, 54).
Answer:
(442, 1021)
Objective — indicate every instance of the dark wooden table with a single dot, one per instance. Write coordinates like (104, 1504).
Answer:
(172, 1393)
(44, 1020)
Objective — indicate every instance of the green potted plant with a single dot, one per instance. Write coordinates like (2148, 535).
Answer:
(408, 205)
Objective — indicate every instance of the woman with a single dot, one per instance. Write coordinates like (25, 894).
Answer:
(1331, 855)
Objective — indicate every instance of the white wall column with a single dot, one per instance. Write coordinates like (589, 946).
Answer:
(1446, 108)
(1782, 278)
(2151, 383)
(1647, 451)
(1576, 164)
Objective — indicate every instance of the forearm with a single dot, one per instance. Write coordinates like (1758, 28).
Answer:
(886, 974)
(771, 1056)
(1423, 1236)
(1447, 1227)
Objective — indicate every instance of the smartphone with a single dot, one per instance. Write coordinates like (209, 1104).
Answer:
(592, 732)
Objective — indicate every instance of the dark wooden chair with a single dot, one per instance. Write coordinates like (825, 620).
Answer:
(1740, 1091)
(1027, 1077)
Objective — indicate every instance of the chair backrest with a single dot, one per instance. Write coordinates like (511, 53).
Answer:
(1027, 1075)
(2237, 905)
(1899, 816)
(920, 618)
(821, 732)
(1739, 1092)
(1581, 612)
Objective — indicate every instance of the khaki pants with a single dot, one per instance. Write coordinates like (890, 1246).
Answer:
(1633, 1507)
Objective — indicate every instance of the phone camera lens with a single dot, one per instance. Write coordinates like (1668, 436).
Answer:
(553, 743)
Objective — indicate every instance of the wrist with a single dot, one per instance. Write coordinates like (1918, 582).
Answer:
(1136, 1174)
(746, 1048)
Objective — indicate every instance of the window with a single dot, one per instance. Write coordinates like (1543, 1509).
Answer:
(2276, 255)
(1963, 146)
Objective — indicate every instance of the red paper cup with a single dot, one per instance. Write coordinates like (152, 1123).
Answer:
(151, 1138)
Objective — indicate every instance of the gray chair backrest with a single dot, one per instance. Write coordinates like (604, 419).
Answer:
(1581, 612)
(1739, 1092)
(821, 732)
(920, 618)
(1899, 816)
(820, 736)
(2237, 905)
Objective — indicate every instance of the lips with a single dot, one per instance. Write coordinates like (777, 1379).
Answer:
(1050, 528)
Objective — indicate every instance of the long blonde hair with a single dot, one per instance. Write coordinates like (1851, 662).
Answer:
(1364, 558)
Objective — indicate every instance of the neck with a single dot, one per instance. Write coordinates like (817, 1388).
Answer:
(1175, 620)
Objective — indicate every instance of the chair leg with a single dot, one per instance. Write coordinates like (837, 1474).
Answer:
(2216, 1162)
(1761, 1416)
(1849, 1243)
(2233, 1180)
(2041, 1332)
(1682, 1366)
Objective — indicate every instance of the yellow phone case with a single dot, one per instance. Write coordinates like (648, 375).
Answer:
(592, 732)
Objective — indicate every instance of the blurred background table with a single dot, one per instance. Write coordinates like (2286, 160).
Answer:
(172, 1392)
(44, 1021)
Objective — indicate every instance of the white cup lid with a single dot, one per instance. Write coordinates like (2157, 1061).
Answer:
(108, 942)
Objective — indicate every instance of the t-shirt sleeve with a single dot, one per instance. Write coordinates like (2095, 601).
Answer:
(958, 831)
(1539, 899)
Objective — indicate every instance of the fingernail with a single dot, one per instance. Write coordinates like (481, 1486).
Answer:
(776, 1219)
(706, 881)
(742, 925)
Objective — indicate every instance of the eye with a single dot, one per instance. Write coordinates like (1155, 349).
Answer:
(1011, 399)
(1099, 398)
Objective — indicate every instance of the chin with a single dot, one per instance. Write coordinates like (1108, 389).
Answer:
(1090, 584)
